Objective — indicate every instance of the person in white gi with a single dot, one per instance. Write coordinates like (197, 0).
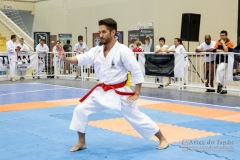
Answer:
(146, 48)
(23, 49)
(12, 56)
(56, 58)
(112, 61)
(162, 47)
(80, 47)
(179, 48)
(41, 49)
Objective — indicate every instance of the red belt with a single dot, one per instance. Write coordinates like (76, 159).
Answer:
(106, 87)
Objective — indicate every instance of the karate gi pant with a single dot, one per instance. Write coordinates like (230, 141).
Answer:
(12, 66)
(57, 66)
(220, 75)
(40, 68)
(21, 73)
(139, 121)
(185, 77)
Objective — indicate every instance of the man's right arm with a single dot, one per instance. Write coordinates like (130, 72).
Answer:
(62, 56)
(80, 59)
(10, 47)
(157, 50)
(72, 60)
(170, 50)
(200, 49)
(38, 50)
(76, 49)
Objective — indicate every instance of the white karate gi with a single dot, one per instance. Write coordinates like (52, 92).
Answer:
(82, 47)
(112, 70)
(24, 49)
(141, 57)
(12, 57)
(181, 50)
(41, 51)
(56, 60)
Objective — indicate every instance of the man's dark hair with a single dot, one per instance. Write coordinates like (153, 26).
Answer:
(109, 22)
(68, 41)
(59, 41)
(162, 39)
(223, 31)
(42, 40)
(13, 36)
(80, 38)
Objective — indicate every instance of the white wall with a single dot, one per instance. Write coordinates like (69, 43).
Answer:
(72, 16)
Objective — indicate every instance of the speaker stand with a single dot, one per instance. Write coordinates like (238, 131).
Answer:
(194, 66)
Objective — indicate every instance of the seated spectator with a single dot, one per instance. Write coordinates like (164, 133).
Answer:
(223, 45)
(208, 46)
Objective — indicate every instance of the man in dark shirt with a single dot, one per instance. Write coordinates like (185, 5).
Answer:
(67, 48)
(221, 46)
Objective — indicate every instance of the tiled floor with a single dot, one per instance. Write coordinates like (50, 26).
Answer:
(35, 116)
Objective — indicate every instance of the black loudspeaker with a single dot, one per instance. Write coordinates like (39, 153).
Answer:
(190, 27)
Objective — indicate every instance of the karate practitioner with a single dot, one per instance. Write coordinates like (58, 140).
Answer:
(179, 48)
(80, 48)
(41, 49)
(56, 58)
(162, 47)
(12, 56)
(23, 49)
(112, 61)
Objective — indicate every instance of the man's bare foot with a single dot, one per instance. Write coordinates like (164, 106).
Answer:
(167, 84)
(13, 80)
(78, 147)
(163, 145)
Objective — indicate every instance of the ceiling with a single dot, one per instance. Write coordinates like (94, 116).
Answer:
(26, 1)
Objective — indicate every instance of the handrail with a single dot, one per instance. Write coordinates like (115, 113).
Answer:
(15, 25)
(194, 80)
(9, 20)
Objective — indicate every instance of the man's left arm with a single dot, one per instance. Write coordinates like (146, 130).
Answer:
(47, 49)
(227, 47)
(131, 64)
(27, 49)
